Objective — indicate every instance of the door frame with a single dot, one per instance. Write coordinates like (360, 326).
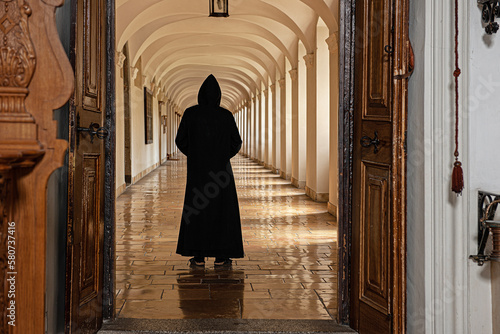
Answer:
(347, 40)
(108, 298)
(345, 149)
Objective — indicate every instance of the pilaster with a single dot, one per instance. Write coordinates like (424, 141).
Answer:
(274, 130)
(446, 293)
(311, 133)
(294, 76)
(283, 129)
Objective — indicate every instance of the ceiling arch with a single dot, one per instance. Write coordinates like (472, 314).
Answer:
(179, 45)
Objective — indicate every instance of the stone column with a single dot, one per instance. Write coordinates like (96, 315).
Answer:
(254, 128)
(249, 128)
(332, 42)
(265, 128)
(260, 129)
(298, 180)
(314, 168)
(274, 130)
(283, 130)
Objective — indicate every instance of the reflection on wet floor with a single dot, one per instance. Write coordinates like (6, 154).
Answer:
(290, 265)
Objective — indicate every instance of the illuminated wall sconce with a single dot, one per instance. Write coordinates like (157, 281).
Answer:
(219, 8)
(487, 224)
(491, 10)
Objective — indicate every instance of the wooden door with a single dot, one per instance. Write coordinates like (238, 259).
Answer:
(379, 195)
(86, 189)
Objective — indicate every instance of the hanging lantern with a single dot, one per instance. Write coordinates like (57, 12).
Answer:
(219, 8)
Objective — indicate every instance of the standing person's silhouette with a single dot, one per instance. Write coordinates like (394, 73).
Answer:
(209, 137)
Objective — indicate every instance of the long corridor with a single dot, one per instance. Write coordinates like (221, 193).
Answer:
(289, 270)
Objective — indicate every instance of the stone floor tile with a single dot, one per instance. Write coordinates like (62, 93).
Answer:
(284, 309)
(289, 270)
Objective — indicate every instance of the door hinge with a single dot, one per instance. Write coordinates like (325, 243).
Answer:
(405, 142)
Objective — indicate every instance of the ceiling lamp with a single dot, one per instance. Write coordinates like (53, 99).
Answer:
(219, 8)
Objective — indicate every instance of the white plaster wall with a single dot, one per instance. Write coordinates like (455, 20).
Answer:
(302, 72)
(484, 110)
(483, 116)
(120, 131)
(288, 119)
(143, 156)
(322, 110)
(446, 292)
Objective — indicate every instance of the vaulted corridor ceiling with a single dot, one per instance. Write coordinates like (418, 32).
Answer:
(179, 44)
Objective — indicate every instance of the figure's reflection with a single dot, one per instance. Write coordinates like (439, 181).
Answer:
(211, 293)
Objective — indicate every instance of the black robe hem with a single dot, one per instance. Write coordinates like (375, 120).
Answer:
(211, 253)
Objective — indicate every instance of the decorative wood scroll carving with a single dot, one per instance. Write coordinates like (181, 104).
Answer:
(17, 66)
(35, 78)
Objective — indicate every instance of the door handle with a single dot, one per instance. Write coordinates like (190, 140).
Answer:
(367, 142)
(95, 130)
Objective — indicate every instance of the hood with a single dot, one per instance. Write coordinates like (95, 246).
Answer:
(210, 93)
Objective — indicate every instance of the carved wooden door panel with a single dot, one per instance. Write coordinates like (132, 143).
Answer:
(86, 198)
(379, 220)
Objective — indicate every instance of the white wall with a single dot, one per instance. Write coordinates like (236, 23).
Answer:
(447, 293)
(143, 156)
(483, 116)
(120, 131)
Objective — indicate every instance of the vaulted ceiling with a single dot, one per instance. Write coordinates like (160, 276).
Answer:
(180, 45)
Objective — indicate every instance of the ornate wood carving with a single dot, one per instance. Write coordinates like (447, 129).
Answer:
(18, 144)
(35, 79)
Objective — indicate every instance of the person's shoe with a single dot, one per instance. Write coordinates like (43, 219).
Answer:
(197, 261)
(220, 261)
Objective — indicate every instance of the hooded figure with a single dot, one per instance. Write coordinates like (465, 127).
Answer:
(209, 137)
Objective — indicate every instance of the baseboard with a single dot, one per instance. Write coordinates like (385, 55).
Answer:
(145, 172)
(317, 197)
(120, 190)
(298, 184)
(332, 209)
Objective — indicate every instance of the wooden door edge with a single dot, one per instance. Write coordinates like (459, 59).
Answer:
(403, 66)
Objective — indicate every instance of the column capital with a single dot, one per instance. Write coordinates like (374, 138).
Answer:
(273, 88)
(119, 59)
(266, 92)
(282, 82)
(310, 59)
(294, 74)
(134, 71)
(333, 42)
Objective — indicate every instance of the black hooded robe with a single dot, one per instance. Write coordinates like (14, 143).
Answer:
(209, 137)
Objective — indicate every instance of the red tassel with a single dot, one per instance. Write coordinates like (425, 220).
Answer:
(457, 178)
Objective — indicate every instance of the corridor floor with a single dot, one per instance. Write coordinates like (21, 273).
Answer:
(289, 270)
